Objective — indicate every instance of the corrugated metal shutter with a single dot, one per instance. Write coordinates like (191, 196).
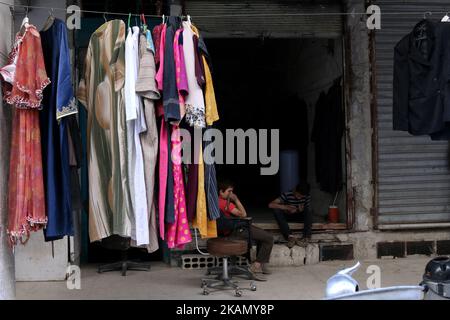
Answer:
(225, 19)
(413, 172)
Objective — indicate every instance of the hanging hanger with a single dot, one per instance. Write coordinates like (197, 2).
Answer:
(104, 17)
(189, 19)
(26, 19)
(446, 18)
(427, 13)
(163, 16)
(144, 23)
(129, 20)
(50, 20)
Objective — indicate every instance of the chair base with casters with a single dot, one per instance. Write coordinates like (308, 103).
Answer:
(233, 270)
(124, 265)
(225, 248)
(122, 244)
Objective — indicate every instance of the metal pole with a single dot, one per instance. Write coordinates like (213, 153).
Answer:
(7, 270)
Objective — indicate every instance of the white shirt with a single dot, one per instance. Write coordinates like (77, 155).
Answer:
(195, 103)
(135, 126)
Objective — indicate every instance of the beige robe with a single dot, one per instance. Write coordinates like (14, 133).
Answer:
(146, 88)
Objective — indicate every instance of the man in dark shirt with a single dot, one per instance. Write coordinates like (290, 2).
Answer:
(293, 206)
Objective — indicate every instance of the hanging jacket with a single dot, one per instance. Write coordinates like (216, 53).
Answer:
(420, 89)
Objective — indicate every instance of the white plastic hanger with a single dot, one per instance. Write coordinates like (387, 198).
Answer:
(189, 19)
(25, 22)
(163, 16)
(446, 18)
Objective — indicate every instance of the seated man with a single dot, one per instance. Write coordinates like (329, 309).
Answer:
(293, 206)
(231, 206)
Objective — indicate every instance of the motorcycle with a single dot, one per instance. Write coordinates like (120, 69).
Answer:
(435, 285)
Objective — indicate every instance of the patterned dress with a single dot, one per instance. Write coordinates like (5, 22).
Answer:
(178, 233)
(101, 92)
(26, 79)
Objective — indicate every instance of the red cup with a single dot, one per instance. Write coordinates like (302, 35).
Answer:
(333, 214)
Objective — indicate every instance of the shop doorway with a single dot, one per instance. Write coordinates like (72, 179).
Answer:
(267, 83)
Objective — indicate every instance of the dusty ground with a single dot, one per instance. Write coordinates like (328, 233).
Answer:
(162, 282)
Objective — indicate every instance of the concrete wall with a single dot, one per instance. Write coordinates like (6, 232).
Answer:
(7, 283)
(358, 95)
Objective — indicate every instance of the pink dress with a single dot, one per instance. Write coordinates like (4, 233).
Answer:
(163, 139)
(179, 233)
(180, 67)
(163, 164)
(162, 46)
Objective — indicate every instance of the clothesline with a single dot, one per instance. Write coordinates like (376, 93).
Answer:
(235, 15)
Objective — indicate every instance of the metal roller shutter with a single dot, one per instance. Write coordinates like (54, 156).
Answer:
(413, 172)
(227, 19)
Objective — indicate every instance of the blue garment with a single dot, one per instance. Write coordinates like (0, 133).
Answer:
(171, 101)
(150, 44)
(58, 103)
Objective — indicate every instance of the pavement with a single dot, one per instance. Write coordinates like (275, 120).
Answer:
(306, 282)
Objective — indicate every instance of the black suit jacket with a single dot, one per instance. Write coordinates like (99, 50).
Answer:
(421, 74)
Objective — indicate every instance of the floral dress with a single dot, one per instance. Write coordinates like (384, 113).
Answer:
(23, 88)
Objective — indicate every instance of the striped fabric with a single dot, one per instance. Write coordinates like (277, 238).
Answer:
(290, 199)
(211, 188)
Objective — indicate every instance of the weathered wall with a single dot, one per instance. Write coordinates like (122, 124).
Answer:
(359, 114)
(7, 282)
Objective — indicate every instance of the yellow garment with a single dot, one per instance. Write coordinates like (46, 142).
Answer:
(207, 228)
(211, 112)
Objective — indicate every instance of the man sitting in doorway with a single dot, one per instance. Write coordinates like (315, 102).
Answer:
(294, 206)
(231, 206)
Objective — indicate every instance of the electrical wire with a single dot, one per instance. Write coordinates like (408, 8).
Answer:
(196, 244)
(237, 15)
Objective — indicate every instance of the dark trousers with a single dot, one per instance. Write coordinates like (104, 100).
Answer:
(263, 239)
(283, 217)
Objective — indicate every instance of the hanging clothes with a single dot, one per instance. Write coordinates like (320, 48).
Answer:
(170, 94)
(135, 126)
(146, 88)
(195, 103)
(192, 178)
(101, 91)
(58, 104)
(211, 112)
(157, 42)
(26, 197)
(211, 116)
(163, 166)
(211, 186)
(206, 227)
(25, 76)
(75, 161)
(180, 67)
(420, 84)
(199, 69)
(178, 233)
